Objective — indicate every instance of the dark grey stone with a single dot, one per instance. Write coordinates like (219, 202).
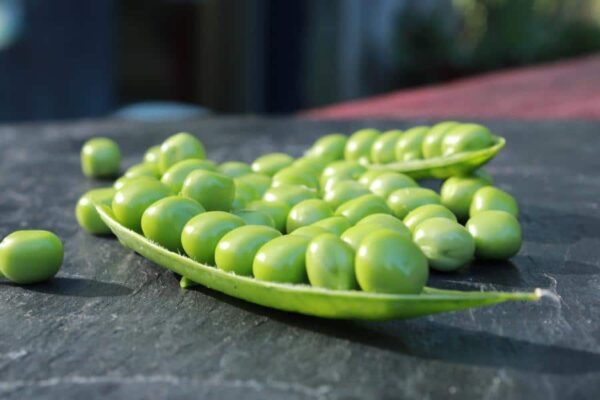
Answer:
(113, 325)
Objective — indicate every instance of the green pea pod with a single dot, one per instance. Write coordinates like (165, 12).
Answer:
(304, 299)
(444, 167)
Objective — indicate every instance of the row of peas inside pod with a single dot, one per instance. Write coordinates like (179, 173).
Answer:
(324, 219)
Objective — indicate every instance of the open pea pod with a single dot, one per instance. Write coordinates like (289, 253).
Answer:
(445, 167)
(306, 299)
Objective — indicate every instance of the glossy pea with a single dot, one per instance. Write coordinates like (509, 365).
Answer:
(179, 147)
(466, 137)
(336, 224)
(447, 245)
(282, 259)
(389, 182)
(176, 174)
(235, 169)
(133, 199)
(329, 147)
(236, 250)
(497, 235)
(330, 263)
(244, 194)
(152, 155)
(344, 191)
(491, 198)
(277, 210)
(369, 176)
(202, 233)
(314, 164)
(306, 213)
(260, 182)
(296, 176)
(356, 234)
(164, 220)
(457, 194)
(358, 147)
(358, 208)
(86, 213)
(383, 149)
(30, 256)
(213, 190)
(432, 143)
(409, 145)
(143, 169)
(270, 164)
(289, 194)
(403, 201)
(386, 221)
(253, 217)
(420, 214)
(100, 158)
(125, 180)
(342, 169)
(310, 231)
(387, 262)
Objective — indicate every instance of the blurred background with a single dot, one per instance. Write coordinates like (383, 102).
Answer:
(71, 59)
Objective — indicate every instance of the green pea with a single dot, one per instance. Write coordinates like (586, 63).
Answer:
(386, 221)
(342, 169)
(370, 175)
(356, 234)
(179, 147)
(457, 194)
(307, 212)
(133, 199)
(420, 214)
(333, 181)
(447, 245)
(295, 176)
(336, 224)
(176, 174)
(389, 182)
(491, 198)
(358, 147)
(358, 208)
(387, 262)
(86, 213)
(261, 183)
(403, 201)
(244, 194)
(125, 180)
(432, 144)
(252, 217)
(310, 231)
(409, 146)
(383, 149)
(497, 235)
(330, 263)
(236, 250)
(466, 137)
(213, 190)
(344, 191)
(235, 169)
(164, 220)
(270, 164)
(329, 147)
(30, 256)
(314, 164)
(100, 158)
(278, 210)
(144, 169)
(291, 195)
(152, 155)
(202, 233)
(282, 259)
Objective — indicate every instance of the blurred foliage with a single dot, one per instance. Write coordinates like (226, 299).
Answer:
(462, 37)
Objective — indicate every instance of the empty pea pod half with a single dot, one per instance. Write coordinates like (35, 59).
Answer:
(305, 299)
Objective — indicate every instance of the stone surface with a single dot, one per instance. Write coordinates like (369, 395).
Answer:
(113, 325)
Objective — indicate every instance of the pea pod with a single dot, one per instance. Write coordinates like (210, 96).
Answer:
(339, 304)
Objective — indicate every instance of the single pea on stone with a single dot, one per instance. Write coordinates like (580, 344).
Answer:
(409, 145)
(152, 155)
(176, 174)
(179, 147)
(432, 144)
(447, 245)
(306, 213)
(386, 183)
(278, 210)
(336, 224)
(236, 250)
(466, 137)
(386, 221)
(164, 220)
(202, 233)
(133, 199)
(213, 190)
(457, 194)
(244, 194)
(341, 169)
(289, 194)
(143, 169)
(270, 164)
(260, 182)
(383, 149)
(295, 176)
(282, 259)
(100, 158)
(358, 208)
(491, 198)
(420, 214)
(387, 262)
(30, 256)
(252, 217)
(403, 201)
(235, 169)
(86, 214)
(344, 191)
(329, 147)
(330, 263)
(358, 147)
(355, 234)
(125, 180)
(497, 235)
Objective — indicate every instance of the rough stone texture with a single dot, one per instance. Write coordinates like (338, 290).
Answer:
(115, 325)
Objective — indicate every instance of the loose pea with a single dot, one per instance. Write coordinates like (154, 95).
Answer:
(336, 224)
(282, 259)
(466, 137)
(409, 145)
(260, 182)
(202, 233)
(358, 147)
(403, 201)
(329, 147)
(235, 169)
(386, 221)
(86, 213)
(244, 194)
(100, 158)
(176, 174)
(179, 147)
(252, 217)
(383, 149)
(143, 169)
(358, 208)
(152, 155)
(342, 169)
(236, 250)
(270, 164)
(420, 214)
(389, 182)
(356, 234)
(310, 231)
(331, 182)
(316, 165)
(213, 190)
(497, 235)
(30, 256)
(131, 201)
(307, 212)
(387, 262)
(369, 176)
(295, 176)
(330, 263)
(125, 180)
(164, 220)
(447, 245)
(344, 191)
(491, 198)
(278, 210)
(457, 194)
(432, 144)
(291, 195)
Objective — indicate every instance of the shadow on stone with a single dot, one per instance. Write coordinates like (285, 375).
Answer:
(80, 287)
